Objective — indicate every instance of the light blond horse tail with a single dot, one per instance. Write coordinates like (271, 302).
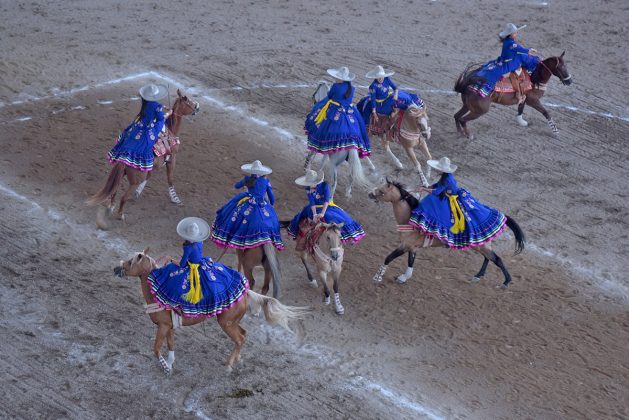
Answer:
(274, 265)
(358, 175)
(275, 312)
(115, 176)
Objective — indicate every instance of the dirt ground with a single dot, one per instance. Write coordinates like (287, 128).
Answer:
(75, 340)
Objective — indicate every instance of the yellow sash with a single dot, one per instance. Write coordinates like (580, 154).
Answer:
(242, 200)
(457, 214)
(382, 100)
(324, 111)
(194, 295)
(330, 203)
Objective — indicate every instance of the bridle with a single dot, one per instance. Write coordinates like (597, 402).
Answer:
(563, 79)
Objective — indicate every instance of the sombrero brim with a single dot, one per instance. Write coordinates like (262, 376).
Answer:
(264, 170)
(204, 229)
(435, 164)
(517, 29)
(301, 181)
(162, 92)
(374, 75)
(335, 74)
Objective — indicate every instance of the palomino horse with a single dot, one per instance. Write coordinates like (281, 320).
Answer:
(413, 130)
(181, 108)
(337, 158)
(412, 239)
(135, 177)
(474, 105)
(323, 244)
(275, 313)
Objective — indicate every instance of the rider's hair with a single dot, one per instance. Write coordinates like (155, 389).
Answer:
(348, 92)
(251, 180)
(143, 110)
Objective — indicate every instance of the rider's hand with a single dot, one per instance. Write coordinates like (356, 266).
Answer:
(375, 116)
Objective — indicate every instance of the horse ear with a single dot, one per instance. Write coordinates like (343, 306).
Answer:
(562, 54)
(386, 178)
(146, 251)
(178, 93)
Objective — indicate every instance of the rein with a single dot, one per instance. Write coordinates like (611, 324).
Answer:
(551, 72)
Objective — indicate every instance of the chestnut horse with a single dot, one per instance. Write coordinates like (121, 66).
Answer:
(182, 106)
(475, 105)
(275, 313)
(411, 239)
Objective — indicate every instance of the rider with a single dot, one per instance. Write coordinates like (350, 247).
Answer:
(451, 214)
(321, 207)
(135, 144)
(334, 123)
(383, 97)
(197, 286)
(512, 55)
(249, 220)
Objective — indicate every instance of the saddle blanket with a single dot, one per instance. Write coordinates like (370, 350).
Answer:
(164, 142)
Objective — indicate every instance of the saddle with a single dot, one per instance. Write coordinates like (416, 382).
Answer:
(164, 143)
(504, 84)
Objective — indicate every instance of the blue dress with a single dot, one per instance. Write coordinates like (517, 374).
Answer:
(248, 220)
(453, 216)
(217, 286)
(135, 145)
(380, 98)
(513, 55)
(351, 232)
(335, 124)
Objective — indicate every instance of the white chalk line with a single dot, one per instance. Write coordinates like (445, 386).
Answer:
(61, 93)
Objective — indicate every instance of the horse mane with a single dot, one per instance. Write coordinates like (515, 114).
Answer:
(406, 196)
(536, 76)
(468, 77)
(170, 120)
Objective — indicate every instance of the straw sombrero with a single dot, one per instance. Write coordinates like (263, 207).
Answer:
(342, 73)
(193, 229)
(256, 168)
(510, 28)
(310, 179)
(153, 92)
(379, 72)
(442, 165)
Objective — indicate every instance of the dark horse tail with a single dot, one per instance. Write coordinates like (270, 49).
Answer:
(520, 240)
(467, 78)
(115, 176)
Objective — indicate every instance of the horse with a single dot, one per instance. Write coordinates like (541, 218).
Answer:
(275, 313)
(265, 256)
(411, 239)
(183, 106)
(409, 128)
(477, 105)
(324, 246)
(333, 160)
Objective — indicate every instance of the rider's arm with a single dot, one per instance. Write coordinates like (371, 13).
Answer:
(187, 250)
(372, 96)
(269, 193)
(238, 185)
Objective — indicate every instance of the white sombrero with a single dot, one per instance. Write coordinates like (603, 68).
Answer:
(256, 168)
(311, 179)
(442, 165)
(153, 92)
(342, 73)
(510, 28)
(193, 229)
(379, 72)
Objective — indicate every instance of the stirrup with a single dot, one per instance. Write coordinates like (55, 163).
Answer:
(174, 198)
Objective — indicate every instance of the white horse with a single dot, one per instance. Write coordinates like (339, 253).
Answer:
(335, 159)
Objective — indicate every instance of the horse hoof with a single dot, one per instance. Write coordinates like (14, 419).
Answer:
(504, 286)
(475, 279)
(401, 279)
(339, 310)
(326, 300)
(521, 121)
(313, 284)
(230, 369)
(470, 137)
(101, 218)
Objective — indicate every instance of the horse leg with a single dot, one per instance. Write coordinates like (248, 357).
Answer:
(304, 257)
(134, 181)
(170, 342)
(247, 268)
(267, 277)
(387, 149)
(471, 116)
(482, 271)
(383, 268)
(402, 278)
(323, 275)
(162, 334)
(536, 104)
(230, 324)
(370, 163)
(333, 169)
(170, 175)
(338, 307)
(418, 167)
(458, 115)
(493, 257)
(308, 160)
(138, 191)
(520, 118)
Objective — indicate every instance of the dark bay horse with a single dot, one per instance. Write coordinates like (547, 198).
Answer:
(475, 105)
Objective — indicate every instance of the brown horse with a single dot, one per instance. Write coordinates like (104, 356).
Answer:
(412, 239)
(265, 256)
(182, 106)
(275, 313)
(474, 105)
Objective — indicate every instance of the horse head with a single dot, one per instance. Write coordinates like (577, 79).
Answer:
(184, 106)
(331, 237)
(557, 66)
(140, 264)
(389, 192)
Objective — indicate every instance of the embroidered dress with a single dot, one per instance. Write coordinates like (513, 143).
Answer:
(381, 98)
(452, 215)
(248, 220)
(135, 144)
(351, 232)
(335, 124)
(216, 286)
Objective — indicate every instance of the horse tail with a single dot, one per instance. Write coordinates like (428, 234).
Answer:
(275, 312)
(274, 264)
(115, 176)
(358, 175)
(520, 239)
(466, 78)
